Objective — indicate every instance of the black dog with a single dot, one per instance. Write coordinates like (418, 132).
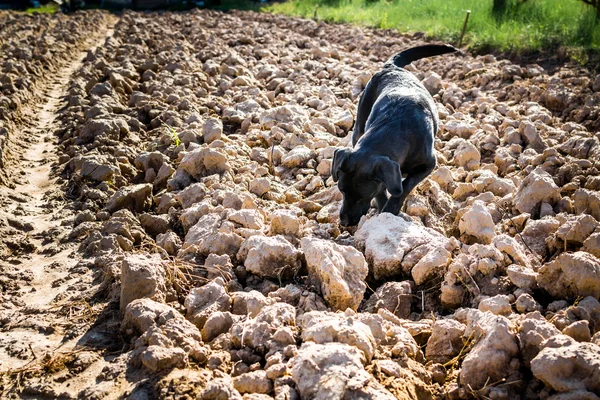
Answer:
(393, 136)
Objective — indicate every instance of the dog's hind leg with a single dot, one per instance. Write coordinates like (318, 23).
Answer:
(414, 177)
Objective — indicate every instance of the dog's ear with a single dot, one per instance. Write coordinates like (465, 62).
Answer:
(388, 172)
(339, 156)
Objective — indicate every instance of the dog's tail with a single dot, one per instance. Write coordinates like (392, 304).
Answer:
(405, 57)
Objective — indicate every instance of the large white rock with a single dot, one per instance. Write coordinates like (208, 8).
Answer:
(272, 257)
(477, 223)
(466, 155)
(496, 346)
(326, 327)
(393, 245)
(297, 157)
(339, 271)
(571, 275)
(204, 161)
(142, 276)
(446, 340)
(536, 188)
(248, 218)
(285, 222)
(288, 117)
(204, 301)
(334, 371)
(205, 238)
(566, 365)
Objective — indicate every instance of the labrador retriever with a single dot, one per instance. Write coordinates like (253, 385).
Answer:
(393, 136)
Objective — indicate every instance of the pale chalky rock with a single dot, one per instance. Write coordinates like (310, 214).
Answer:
(466, 155)
(576, 229)
(392, 245)
(334, 371)
(566, 365)
(162, 326)
(217, 323)
(204, 161)
(571, 275)
(142, 276)
(522, 277)
(272, 257)
(536, 188)
(433, 264)
(206, 238)
(396, 297)
(259, 186)
(220, 388)
(273, 328)
(204, 301)
(285, 222)
(477, 223)
(169, 241)
(157, 358)
(212, 130)
(339, 271)
(433, 83)
(491, 359)
(249, 303)
(592, 244)
(297, 157)
(136, 198)
(326, 327)
(499, 305)
(525, 303)
(344, 120)
(588, 202)
(253, 382)
(247, 218)
(192, 195)
(487, 181)
(446, 340)
(533, 330)
(289, 118)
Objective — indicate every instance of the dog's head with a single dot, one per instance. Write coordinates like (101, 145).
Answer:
(360, 178)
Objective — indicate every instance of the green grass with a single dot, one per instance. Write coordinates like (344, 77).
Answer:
(523, 27)
(49, 8)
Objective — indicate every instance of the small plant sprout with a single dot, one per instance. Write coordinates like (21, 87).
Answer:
(173, 133)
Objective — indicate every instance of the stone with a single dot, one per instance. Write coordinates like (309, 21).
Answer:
(136, 198)
(205, 238)
(490, 359)
(588, 202)
(571, 275)
(577, 229)
(169, 241)
(157, 358)
(285, 222)
(477, 223)
(248, 218)
(155, 224)
(217, 323)
(259, 186)
(592, 244)
(272, 257)
(202, 302)
(466, 155)
(339, 272)
(498, 305)
(249, 303)
(536, 188)
(253, 382)
(396, 297)
(432, 265)
(204, 161)
(565, 365)
(297, 157)
(142, 276)
(326, 327)
(212, 130)
(533, 331)
(392, 245)
(334, 371)
(579, 330)
(525, 303)
(446, 340)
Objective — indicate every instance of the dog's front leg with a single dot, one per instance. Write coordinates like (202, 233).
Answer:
(381, 199)
(412, 180)
(393, 205)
